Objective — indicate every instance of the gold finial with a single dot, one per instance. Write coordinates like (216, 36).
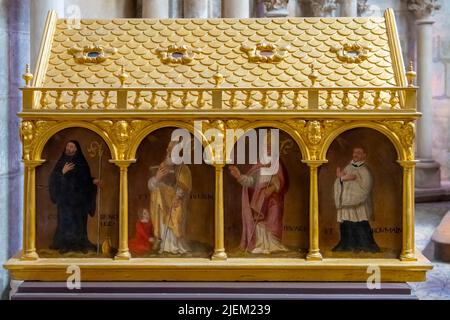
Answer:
(218, 77)
(123, 76)
(27, 76)
(313, 75)
(411, 74)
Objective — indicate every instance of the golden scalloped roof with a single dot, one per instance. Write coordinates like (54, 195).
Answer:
(140, 45)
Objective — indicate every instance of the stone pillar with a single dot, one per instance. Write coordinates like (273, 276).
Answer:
(215, 9)
(306, 9)
(294, 8)
(175, 9)
(323, 8)
(195, 9)
(158, 9)
(14, 54)
(235, 9)
(38, 15)
(424, 78)
(259, 9)
(348, 8)
(100, 9)
(427, 170)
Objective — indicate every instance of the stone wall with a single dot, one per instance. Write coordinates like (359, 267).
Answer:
(441, 89)
(14, 54)
(99, 9)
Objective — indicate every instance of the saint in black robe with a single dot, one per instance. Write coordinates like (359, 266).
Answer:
(74, 194)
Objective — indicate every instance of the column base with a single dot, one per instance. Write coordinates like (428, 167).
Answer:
(219, 255)
(433, 194)
(125, 255)
(314, 256)
(428, 174)
(409, 256)
(30, 256)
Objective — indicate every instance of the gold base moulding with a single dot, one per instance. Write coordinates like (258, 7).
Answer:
(233, 269)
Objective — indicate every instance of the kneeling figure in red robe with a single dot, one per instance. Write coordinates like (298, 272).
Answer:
(143, 238)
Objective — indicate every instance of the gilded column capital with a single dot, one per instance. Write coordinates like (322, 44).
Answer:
(236, 124)
(314, 163)
(216, 150)
(122, 133)
(214, 124)
(33, 163)
(406, 133)
(314, 133)
(30, 134)
(123, 163)
(27, 134)
(219, 166)
(408, 164)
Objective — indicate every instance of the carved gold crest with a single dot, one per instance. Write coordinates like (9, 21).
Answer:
(265, 52)
(352, 53)
(175, 54)
(91, 54)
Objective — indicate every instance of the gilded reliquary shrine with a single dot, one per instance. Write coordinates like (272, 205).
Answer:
(102, 193)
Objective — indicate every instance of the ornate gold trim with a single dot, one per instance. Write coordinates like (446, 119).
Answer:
(314, 133)
(45, 49)
(396, 52)
(256, 53)
(177, 54)
(27, 133)
(352, 53)
(83, 55)
(233, 269)
(379, 126)
(406, 132)
(42, 130)
(122, 133)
